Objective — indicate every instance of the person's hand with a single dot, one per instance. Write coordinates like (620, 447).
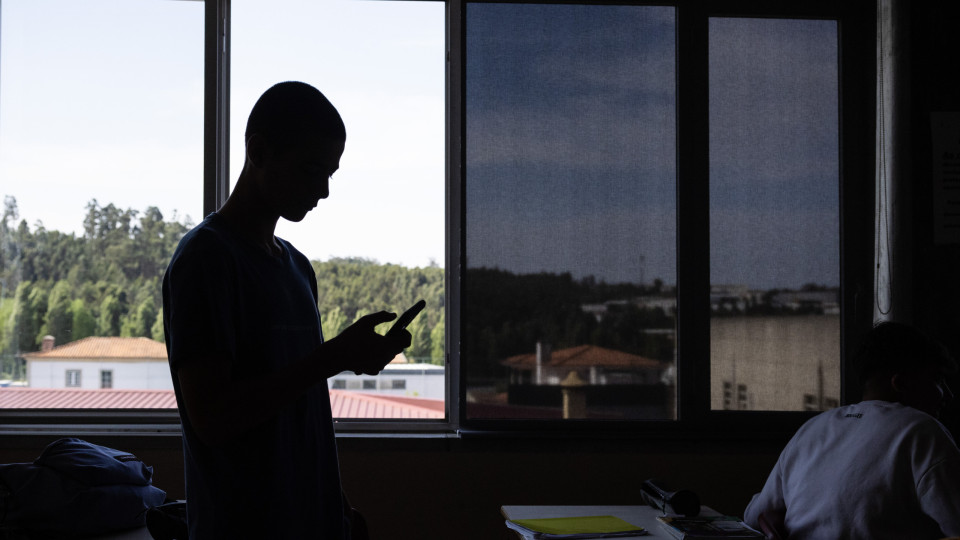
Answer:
(360, 349)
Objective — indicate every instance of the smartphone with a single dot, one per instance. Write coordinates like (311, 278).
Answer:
(407, 317)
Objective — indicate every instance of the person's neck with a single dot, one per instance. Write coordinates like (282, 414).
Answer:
(250, 220)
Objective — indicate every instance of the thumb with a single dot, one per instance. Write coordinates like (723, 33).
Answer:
(374, 319)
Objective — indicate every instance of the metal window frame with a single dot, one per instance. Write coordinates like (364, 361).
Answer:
(695, 419)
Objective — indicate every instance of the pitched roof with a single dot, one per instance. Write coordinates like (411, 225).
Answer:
(360, 405)
(76, 398)
(128, 348)
(585, 356)
(344, 404)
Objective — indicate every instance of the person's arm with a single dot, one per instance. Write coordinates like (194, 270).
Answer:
(768, 507)
(939, 494)
(221, 409)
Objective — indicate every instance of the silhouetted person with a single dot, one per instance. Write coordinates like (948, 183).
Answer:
(881, 468)
(247, 356)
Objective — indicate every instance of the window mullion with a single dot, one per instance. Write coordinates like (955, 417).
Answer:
(693, 239)
(216, 158)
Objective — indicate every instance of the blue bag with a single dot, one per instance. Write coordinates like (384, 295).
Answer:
(77, 488)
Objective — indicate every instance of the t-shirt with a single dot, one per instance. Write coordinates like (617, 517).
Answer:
(872, 470)
(223, 296)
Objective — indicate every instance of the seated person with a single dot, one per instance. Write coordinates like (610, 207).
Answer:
(881, 468)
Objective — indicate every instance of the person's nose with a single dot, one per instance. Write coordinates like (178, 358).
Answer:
(323, 189)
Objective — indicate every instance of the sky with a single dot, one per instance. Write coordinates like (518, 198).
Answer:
(571, 145)
(103, 99)
(571, 137)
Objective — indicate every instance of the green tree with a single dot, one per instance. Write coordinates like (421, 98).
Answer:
(84, 323)
(29, 309)
(58, 321)
(419, 349)
(112, 310)
(156, 332)
(438, 348)
(333, 323)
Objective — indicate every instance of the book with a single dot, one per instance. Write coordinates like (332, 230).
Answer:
(707, 527)
(573, 528)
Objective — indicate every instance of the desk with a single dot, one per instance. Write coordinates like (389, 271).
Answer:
(131, 534)
(641, 516)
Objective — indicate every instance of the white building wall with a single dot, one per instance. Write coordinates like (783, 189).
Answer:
(423, 382)
(141, 375)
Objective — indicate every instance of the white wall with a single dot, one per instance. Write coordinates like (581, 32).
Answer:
(140, 375)
(422, 380)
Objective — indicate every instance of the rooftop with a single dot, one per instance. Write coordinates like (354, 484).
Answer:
(344, 404)
(102, 348)
(585, 356)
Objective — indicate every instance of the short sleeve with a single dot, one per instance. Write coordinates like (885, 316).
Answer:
(198, 302)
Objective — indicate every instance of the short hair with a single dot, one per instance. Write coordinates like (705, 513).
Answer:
(891, 347)
(291, 111)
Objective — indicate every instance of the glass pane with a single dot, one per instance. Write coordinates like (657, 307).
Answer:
(101, 168)
(774, 214)
(569, 295)
(378, 241)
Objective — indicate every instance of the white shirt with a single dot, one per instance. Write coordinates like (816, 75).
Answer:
(872, 470)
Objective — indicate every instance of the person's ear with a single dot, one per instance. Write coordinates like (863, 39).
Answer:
(257, 150)
(899, 382)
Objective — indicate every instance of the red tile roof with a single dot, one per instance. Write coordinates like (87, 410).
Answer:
(136, 348)
(344, 404)
(360, 405)
(585, 356)
(76, 398)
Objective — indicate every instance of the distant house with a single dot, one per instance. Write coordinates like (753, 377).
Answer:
(100, 362)
(398, 378)
(595, 365)
(132, 373)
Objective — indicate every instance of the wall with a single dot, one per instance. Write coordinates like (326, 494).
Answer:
(149, 375)
(426, 488)
(935, 86)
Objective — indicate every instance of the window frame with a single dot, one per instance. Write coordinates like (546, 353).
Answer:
(857, 75)
(106, 379)
(73, 378)
(856, 27)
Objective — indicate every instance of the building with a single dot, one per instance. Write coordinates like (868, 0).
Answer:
(100, 362)
(399, 378)
(595, 365)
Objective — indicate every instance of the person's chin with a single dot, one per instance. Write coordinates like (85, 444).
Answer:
(295, 217)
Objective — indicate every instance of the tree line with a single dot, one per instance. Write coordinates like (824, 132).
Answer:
(107, 282)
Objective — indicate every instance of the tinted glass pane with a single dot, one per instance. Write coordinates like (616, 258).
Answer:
(378, 241)
(569, 292)
(774, 214)
(101, 165)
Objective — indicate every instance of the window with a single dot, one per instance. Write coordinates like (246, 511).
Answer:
(101, 116)
(570, 280)
(382, 65)
(620, 231)
(774, 210)
(657, 210)
(106, 378)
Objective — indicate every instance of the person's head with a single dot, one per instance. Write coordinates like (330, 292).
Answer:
(294, 140)
(897, 362)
